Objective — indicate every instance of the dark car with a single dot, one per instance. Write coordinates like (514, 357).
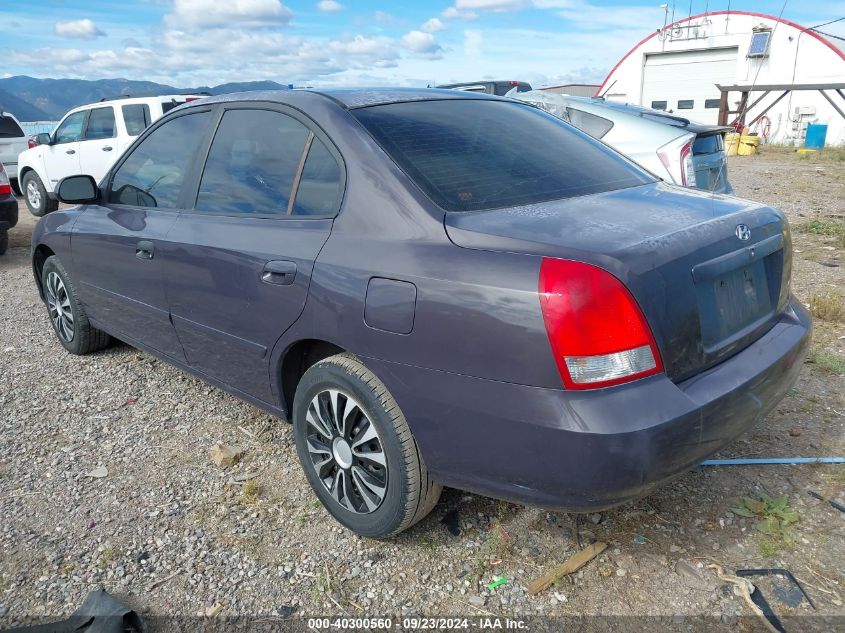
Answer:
(499, 88)
(438, 288)
(8, 209)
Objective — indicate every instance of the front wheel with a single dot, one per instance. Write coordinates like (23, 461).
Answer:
(357, 450)
(35, 195)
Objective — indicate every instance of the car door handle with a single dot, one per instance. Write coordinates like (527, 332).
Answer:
(145, 249)
(70, 151)
(107, 148)
(281, 272)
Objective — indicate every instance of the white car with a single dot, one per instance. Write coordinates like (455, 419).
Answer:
(12, 143)
(88, 140)
(671, 147)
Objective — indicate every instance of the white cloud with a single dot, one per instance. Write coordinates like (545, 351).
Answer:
(591, 17)
(422, 44)
(473, 39)
(433, 26)
(78, 30)
(492, 5)
(329, 6)
(383, 17)
(243, 13)
(451, 13)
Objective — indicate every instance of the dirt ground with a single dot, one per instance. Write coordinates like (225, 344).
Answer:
(170, 534)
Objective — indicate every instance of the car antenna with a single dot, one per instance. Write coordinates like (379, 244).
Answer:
(741, 114)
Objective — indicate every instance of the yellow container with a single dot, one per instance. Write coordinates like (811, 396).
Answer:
(731, 143)
(748, 145)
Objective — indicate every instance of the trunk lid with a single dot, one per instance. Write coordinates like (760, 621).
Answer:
(705, 292)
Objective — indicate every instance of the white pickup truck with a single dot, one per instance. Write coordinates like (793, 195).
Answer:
(88, 140)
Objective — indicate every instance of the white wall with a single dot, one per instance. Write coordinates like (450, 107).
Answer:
(794, 56)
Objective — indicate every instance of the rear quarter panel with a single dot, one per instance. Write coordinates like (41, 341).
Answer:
(476, 313)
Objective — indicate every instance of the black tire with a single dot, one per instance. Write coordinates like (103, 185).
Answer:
(80, 337)
(410, 493)
(35, 195)
(4, 242)
(16, 186)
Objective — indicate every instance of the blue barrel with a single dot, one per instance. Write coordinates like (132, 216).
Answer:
(816, 134)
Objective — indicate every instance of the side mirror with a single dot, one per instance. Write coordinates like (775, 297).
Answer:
(78, 190)
(43, 139)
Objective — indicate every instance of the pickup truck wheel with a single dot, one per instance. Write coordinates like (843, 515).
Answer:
(36, 197)
(69, 320)
(357, 451)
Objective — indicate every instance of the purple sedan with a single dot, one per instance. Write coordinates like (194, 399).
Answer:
(437, 288)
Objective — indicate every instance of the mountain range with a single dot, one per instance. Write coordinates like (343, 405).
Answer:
(31, 99)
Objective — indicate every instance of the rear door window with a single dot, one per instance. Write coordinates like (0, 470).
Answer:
(153, 174)
(71, 128)
(136, 117)
(471, 155)
(100, 124)
(592, 124)
(9, 128)
(252, 164)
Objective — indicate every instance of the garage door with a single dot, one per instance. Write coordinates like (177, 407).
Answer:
(684, 83)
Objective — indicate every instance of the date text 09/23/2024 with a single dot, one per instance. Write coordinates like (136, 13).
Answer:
(417, 623)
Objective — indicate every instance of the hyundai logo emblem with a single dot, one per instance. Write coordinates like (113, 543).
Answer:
(743, 232)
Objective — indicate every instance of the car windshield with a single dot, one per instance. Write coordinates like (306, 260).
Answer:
(473, 155)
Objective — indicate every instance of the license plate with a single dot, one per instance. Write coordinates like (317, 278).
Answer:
(733, 301)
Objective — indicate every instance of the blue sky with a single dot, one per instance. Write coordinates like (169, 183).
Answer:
(343, 42)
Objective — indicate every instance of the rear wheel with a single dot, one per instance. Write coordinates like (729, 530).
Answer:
(67, 316)
(4, 241)
(357, 450)
(36, 197)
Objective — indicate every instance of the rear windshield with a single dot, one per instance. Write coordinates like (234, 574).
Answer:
(709, 144)
(471, 155)
(8, 127)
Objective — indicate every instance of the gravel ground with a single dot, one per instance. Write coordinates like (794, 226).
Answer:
(170, 533)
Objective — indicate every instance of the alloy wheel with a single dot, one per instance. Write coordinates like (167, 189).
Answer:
(33, 195)
(58, 303)
(346, 451)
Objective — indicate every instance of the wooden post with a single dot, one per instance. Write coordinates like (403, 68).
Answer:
(723, 106)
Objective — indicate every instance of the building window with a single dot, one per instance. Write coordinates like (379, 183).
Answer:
(658, 105)
(686, 104)
(759, 44)
(711, 103)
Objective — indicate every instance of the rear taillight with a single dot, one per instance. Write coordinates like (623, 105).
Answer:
(30, 142)
(598, 334)
(5, 187)
(676, 157)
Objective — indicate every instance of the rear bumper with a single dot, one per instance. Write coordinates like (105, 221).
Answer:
(591, 450)
(9, 210)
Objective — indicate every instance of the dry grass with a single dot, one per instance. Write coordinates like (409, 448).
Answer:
(249, 492)
(827, 305)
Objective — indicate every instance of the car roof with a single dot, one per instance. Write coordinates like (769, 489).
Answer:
(349, 98)
(119, 101)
